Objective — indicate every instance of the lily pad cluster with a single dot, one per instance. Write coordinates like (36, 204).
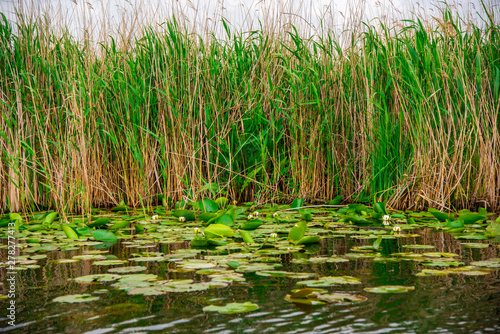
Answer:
(219, 245)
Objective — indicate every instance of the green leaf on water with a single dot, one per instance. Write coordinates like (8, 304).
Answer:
(187, 214)
(330, 281)
(390, 289)
(297, 203)
(49, 218)
(379, 207)
(307, 216)
(97, 278)
(309, 240)
(339, 298)
(99, 222)
(297, 232)
(470, 218)
(225, 220)
(232, 308)
(251, 224)
(108, 262)
(123, 270)
(103, 235)
(120, 224)
(335, 201)
(199, 242)
(75, 299)
(218, 231)
(418, 246)
(376, 244)
(247, 238)
(70, 232)
(207, 205)
(441, 216)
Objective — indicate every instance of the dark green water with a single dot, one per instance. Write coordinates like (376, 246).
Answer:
(439, 304)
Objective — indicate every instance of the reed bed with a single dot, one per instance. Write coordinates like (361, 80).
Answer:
(406, 113)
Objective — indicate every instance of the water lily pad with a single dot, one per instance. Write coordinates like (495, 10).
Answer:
(89, 257)
(271, 273)
(75, 299)
(309, 240)
(123, 270)
(304, 301)
(255, 267)
(161, 288)
(302, 293)
(418, 246)
(232, 308)
(219, 231)
(475, 245)
(109, 262)
(440, 254)
(442, 263)
(490, 263)
(341, 298)
(330, 281)
(390, 289)
(66, 261)
(147, 259)
(97, 278)
(229, 278)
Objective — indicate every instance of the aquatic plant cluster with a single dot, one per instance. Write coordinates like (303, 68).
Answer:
(219, 245)
(406, 113)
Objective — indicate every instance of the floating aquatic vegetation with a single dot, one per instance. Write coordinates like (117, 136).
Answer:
(468, 271)
(123, 270)
(232, 308)
(109, 262)
(97, 278)
(330, 281)
(339, 298)
(80, 298)
(390, 289)
(418, 246)
(275, 273)
(490, 263)
(164, 287)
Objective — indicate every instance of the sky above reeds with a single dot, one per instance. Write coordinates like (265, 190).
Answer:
(101, 18)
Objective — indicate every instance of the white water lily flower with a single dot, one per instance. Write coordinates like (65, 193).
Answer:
(275, 214)
(182, 219)
(250, 216)
(196, 230)
(386, 223)
(274, 235)
(256, 213)
(396, 229)
(386, 217)
(155, 217)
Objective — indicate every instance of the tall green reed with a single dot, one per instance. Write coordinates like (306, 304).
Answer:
(406, 113)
